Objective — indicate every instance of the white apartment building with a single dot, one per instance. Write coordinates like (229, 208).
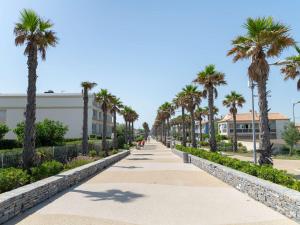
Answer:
(64, 107)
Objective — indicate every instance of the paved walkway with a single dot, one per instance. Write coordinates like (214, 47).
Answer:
(152, 187)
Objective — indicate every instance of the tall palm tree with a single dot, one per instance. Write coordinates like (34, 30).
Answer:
(167, 110)
(105, 98)
(116, 106)
(179, 102)
(86, 86)
(199, 114)
(192, 98)
(133, 116)
(264, 38)
(291, 67)
(232, 101)
(146, 130)
(36, 34)
(126, 116)
(210, 79)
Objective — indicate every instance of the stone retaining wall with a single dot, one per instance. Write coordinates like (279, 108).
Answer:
(284, 200)
(18, 200)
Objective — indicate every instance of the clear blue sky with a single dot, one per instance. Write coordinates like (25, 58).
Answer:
(143, 51)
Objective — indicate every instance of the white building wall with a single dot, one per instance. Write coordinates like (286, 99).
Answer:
(280, 124)
(66, 108)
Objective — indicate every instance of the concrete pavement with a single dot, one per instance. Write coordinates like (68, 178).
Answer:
(152, 186)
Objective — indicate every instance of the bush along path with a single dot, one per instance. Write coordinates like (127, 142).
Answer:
(12, 178)
(264, 172)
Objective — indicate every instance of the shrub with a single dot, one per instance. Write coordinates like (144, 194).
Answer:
(11, 178)
(114, 151)
(264, 172)
(76, 162)
(93, 153)
(92, 136)
(126, 146)
(139, 138)
(46, 169)
(9, 144)
(48, 132)
(3, 130)
(204, 143)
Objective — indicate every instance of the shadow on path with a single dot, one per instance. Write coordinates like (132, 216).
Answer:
(142, 154)
(128, 167)
(113, 194)
(139, 159)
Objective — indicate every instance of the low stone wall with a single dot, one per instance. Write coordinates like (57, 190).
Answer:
(284, 200)
(17, 201)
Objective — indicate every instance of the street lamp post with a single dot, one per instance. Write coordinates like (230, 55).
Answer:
(295, 103)
(251, 86)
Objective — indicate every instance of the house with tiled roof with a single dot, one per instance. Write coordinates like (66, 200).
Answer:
(277, 122)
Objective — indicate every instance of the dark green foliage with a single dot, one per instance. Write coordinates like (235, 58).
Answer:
(93, 153)
(48, 132)
(139, 138)
(264, 172)
(11, 178)
(46, 169)
(80, 161)
(291, 136)
(3, 130)
(9, 144)
(120, 135)
(92, 136)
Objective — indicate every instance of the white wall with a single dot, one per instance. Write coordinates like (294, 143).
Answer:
(66, 108)
(280, 124)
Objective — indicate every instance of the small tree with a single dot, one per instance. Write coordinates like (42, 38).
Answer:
(3, 130)
(291, 136)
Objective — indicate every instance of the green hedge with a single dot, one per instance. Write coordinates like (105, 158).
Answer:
(264, 172)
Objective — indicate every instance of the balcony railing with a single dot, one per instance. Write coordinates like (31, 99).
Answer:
(246, 131)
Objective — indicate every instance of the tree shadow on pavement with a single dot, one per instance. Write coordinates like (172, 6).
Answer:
(139, 159)
(143, 154)
(128, 167)
(111, 195)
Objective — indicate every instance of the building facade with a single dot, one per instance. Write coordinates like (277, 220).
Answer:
(277, 122)
(64, 107)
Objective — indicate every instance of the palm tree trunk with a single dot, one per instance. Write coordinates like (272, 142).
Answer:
(85, 122)
(194, 144)
(125, 133)
(104, 145)
(266, 147)
(234, 133)
(132, 131)
(29, 139)
(212, 135)
(115, 140)
(183, 142)
(200, 127)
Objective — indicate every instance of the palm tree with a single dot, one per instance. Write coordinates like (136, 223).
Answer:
(105, 98)
(167, 110)
(291, 67)
(200, 113)
(86, 86)
(192, 98)
(146, 130)
(116, 106)
(211, 79)
(133, 116)
(264, 38)
(179, 102)
(37, 35)
(126, 115)
(232, 101)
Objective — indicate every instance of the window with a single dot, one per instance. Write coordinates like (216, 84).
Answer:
(94, 114)
(100, 115)
(94, 128)
(3, 116)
